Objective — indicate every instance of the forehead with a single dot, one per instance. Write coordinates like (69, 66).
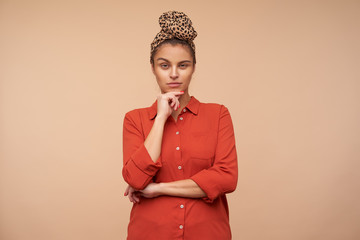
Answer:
(174, 53)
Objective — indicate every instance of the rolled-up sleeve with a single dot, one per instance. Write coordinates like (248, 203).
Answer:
(222, 176)
(138, 167)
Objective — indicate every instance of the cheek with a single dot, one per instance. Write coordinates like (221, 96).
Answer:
(163, 77)
(160, 76)
(188, 75)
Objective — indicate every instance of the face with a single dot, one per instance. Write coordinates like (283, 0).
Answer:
(173, 68)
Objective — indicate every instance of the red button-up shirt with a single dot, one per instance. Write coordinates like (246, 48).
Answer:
(200, 145)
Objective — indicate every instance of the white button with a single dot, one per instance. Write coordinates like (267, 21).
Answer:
(184, 110)
(179, 167)
(177, 148)
(181, 206)
(181, 118)
(177, 132)
(181, 226)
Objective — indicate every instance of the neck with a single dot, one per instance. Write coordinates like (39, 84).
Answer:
(184, 100)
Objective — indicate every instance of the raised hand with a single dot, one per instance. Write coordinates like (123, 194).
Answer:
(167, 103)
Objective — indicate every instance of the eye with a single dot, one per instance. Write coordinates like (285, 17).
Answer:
(164, 65)
(183, 65)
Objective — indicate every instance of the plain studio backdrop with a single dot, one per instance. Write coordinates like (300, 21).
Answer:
(287, 70)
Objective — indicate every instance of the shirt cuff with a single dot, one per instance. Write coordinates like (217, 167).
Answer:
(141, 168)
(211, 190)
(142, 160)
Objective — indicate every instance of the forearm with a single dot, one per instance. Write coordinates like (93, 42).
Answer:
(154, 139)
(182, 188)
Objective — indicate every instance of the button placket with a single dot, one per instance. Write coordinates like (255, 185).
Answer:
(179, 167)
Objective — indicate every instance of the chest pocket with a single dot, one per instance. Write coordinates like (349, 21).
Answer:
(202, 145)
(201, 151)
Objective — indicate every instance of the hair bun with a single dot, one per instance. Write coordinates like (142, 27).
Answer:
(177, 24)
(174, 24)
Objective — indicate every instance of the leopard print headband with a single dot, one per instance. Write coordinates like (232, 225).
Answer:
(174, 24)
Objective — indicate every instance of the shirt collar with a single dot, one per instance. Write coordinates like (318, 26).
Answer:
(192, 106)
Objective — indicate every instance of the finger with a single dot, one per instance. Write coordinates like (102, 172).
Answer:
(177, 104)
(173, 103)
(178, 93)
(174, 94)
(166, 97)
(173, 99)
(127, 190)
(133, 197)
(136, 197)
(169, 98)
(132, 190)
(130, 196)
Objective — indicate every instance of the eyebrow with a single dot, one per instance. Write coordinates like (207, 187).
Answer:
(169, 61)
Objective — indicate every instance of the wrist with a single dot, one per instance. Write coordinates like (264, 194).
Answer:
(161, 118)
(161, 188)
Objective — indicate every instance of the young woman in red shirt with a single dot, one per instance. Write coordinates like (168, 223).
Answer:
(179, 154)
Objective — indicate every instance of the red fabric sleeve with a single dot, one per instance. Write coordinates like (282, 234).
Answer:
(138, 167)
(222, 177)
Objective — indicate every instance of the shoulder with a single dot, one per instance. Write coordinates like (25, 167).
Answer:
(137, 114)
(213, 108)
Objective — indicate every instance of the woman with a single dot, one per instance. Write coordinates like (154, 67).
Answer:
(179, 154)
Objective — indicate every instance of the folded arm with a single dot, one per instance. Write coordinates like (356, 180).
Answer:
(141, 155)
(209, 183)
(141, 161)
(222, 177)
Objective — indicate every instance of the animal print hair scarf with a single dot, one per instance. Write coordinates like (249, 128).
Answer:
(174, 24)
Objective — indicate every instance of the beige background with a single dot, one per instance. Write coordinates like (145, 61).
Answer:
(287, 70)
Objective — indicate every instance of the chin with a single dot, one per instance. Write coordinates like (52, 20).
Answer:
(171, 90)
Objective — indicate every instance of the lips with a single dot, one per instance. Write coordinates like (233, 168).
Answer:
(174, 84)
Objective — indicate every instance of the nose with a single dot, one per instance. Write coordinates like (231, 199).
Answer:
(174, 73)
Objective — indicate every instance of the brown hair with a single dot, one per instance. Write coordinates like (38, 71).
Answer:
(173, 42)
